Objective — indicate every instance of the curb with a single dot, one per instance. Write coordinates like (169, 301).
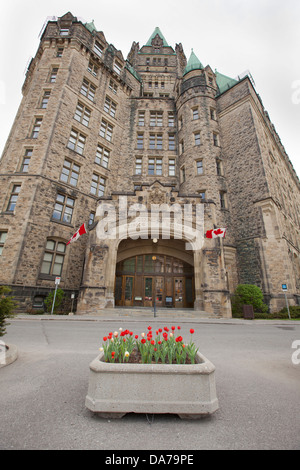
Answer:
(147, 318)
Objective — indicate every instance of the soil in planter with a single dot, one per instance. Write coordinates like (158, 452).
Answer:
(136, 358)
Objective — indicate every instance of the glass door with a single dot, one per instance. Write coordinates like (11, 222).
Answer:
(148, 292)
(128, 290)
(178, 291)
(159, 291)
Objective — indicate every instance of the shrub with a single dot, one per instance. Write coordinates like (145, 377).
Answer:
(58, 300)
(7, 305)
(248, 294)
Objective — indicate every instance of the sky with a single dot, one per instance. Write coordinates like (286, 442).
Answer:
(232, 36)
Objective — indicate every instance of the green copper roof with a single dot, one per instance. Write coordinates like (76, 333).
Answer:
(155, 32)
(90, 26)
(193, 63)
(224, 82)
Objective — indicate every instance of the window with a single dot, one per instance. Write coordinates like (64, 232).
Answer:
(156, 118)
(155, 166)
(93, 69)
(53, 258)
(222, 200)
(63, 209)
(59, 52)
(53, 75)
(141, 118)
(138, 166)
(88, 90)
(2, 241)
(181, 146)
(13, 197)
(82, 114)
(171, 141)
(155, 141)
(91, 218)
(110, 107)
(199, 166)
(106, 130)
(36, 128)
(113, 86)
(26, 160)
(172, 167)
(76, 141)
(98, 49)
(148, 61)
(70, 173)
(195, 113)
(140, 140)
(64, 32)
(182, 171)
(171, 120)
(202, 195)
(117, 67)
(102, 156)
(216, 139)
(45, 99)
(149, 84)
(219, 167)
(98, 185)
(197, 138)
(213, 114)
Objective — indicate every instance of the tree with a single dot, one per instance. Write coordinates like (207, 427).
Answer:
(7, 305)
(248, 294)
(58, 300)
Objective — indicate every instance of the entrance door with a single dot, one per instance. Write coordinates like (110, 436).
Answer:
(159, 291)
(148, 295)
(128, 290)
(178, 292)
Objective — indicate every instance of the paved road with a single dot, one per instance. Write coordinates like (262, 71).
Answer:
(42, 393)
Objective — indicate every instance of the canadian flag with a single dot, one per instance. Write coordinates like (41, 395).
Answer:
(80, 231)
(217, 232)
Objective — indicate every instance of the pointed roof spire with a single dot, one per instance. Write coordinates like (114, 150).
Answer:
(90, 26)
(155, 32)
(193, 63)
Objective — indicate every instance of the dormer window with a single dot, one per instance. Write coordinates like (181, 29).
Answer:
(98, 48)
(64, 32)
(117, 67)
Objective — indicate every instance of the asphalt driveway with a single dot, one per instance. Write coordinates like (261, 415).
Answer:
(42, 394)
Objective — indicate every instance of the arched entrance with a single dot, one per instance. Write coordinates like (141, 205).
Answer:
(154, 273)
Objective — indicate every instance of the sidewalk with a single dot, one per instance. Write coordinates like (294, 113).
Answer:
(147, 314)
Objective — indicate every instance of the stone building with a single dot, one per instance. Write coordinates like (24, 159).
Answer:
(96, 133)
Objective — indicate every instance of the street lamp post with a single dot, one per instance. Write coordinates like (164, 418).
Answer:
(154, 259)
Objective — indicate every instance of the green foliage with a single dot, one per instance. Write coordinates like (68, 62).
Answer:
(7, 305)
(58, 300)
(248, 294)
(281, 315)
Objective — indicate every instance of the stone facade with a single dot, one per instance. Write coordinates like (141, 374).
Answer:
(93, 128)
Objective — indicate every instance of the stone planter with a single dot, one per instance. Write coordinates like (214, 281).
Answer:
(187, 390)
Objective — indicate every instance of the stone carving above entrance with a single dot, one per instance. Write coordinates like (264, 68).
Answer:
(157, 196)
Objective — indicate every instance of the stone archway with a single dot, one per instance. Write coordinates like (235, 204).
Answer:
(160, 272)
